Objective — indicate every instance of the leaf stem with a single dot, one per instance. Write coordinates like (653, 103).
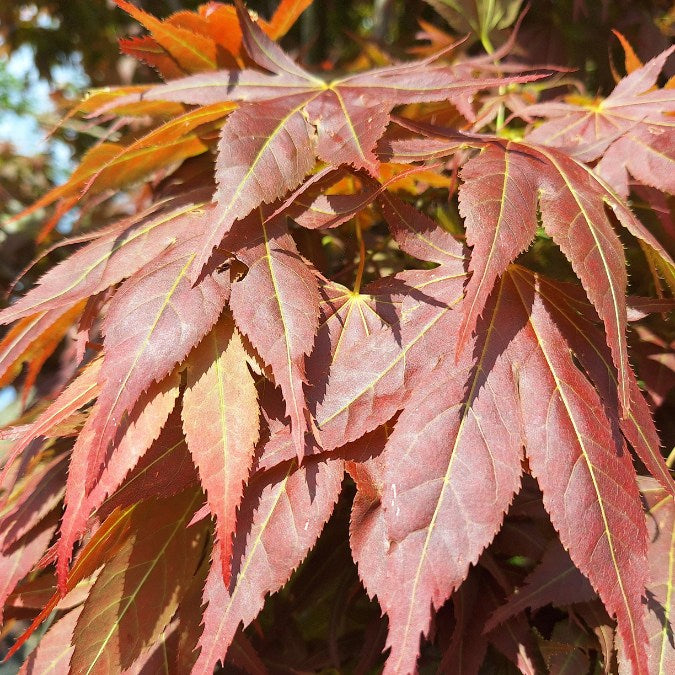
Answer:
(488, 47)
(362, 259)
(671, 459)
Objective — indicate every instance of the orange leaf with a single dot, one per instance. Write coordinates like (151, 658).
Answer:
(194, 53)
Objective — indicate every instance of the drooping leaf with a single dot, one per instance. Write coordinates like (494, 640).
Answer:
(577, 324)
(371, 380)
(572, 202)
(38, 494)
(177, 129)
(220, 418)
(132, 440)
(572, 206)
(52, 655)
(78, 393)
(164, 469)
(154, 319)
(34, 340)
(555, 580)
(262, 155)
(139, 589)
(568, 413)
(460, 432)
(117, 254)
(111, 166)
(23, 555)
(282, 323)
(284, 510)
(659, 602)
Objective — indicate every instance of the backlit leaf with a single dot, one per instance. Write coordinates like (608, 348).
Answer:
(52, 655)
(138, 590)
(193, 52)
(220, 418)
(132, 440)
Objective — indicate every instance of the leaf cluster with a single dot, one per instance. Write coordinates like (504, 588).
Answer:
(387, 311)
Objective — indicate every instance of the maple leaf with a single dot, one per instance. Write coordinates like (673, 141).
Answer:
(555, 580)
(117, 253)
(594, 463)
(220, 418)
(630, 131)
(268, 144)
(133, 439)
(192, 51)
(147, 577)
(33, 340)
(22, 556)
(50, 654)
(101, 547)
(82, 390)
(445, 422)
(658, 605)
(110, 165)
(468, 435)
(41, 492)
(153, 321)
(371, 380)
(214, 330)
(282, 500)
(282, 323)
(516, 177)
(165, 468)
(578, 326)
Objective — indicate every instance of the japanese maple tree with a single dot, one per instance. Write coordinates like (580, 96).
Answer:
(378, 321)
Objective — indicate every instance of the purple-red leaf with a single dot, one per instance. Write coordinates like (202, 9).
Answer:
(584, 470)
(282, 514)
(154, 319)
(276, 305)
(132, 439)
(264, 151)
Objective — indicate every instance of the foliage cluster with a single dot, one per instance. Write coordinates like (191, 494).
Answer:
(375, 322)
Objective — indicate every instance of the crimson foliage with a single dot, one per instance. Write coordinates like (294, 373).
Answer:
(473, 381)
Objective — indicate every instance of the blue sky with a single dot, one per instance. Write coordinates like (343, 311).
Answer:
(25, 133)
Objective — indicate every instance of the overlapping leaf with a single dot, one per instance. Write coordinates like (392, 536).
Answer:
(147, 578)
(132, 439)
(504, 184)
(55, 649)
(268, 145)
(228, 332)
(154, 319)
(283, 512)
(118, 253)
(283, 319)
(433, 524)
(371, 380)
(220, 418)
(572, 449)
(658, 607)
